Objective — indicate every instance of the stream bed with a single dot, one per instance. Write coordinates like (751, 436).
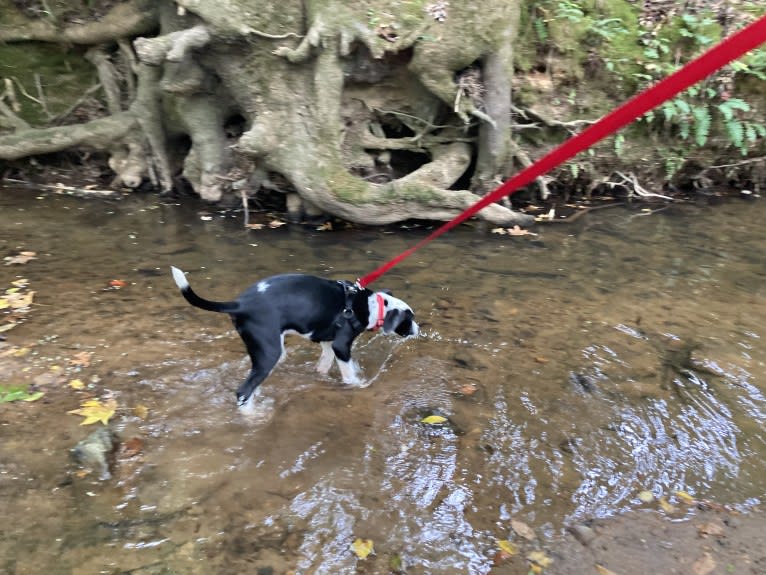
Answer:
(576, 368)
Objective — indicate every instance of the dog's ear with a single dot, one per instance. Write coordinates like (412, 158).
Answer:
(392, 320)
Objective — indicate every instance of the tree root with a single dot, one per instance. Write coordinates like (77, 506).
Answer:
(124, 20)
(98, 134)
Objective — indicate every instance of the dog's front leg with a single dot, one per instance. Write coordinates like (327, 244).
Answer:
(349, 370)
(325, 360)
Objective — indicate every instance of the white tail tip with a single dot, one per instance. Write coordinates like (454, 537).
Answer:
(179, 278)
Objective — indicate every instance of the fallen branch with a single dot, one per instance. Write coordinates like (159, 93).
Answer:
(637, 188)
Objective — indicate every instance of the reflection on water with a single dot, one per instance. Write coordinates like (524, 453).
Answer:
(595, 361)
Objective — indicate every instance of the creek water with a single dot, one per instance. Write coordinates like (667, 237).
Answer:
(577, 368)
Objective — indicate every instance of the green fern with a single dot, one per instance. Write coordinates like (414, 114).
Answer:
(702, 121)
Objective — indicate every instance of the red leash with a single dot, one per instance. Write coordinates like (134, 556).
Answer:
(729, 49)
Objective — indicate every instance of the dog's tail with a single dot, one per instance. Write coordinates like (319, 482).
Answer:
(197, 301)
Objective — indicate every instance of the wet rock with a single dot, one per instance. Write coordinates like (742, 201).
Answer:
(95, 452)
(584, 534)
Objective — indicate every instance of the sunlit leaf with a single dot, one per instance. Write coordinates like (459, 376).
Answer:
(539, 559)
(666, 506)
(93, 411)
(646, 496)
(76, 384)
(433, 420)
(362, 547)
(507, 547)
(141, 411)
(685, 497)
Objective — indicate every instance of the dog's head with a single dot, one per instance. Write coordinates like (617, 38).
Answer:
(391, 315)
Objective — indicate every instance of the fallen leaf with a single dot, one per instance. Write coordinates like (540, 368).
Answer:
(141, 411)
(517, 231)
(117, 283)
(20, 258)
(273, 224)
(255, 226)
(81, 359)
(646, 496)
(18, 393)
(467, 389)
(93, 410)
(20, 283)
(500, 231)
(76, 384)
(538, 561)
(523, 530)
(540, 359)
(685, 497)
(704, 565)
(507, 547)
(434, 420)
(666, 506)
(711, 528)
(132, 447)
(362, 548)
(603, 570)
(325, 227)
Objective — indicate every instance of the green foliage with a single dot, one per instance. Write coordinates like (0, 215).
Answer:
(10, 393)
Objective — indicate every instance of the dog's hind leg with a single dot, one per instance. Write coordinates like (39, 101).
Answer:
(264, 358)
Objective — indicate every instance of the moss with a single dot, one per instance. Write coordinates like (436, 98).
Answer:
(64, 76)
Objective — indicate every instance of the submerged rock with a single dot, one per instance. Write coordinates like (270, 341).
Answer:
(95, 451)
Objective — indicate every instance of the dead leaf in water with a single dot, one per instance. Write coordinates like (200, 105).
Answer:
(93, 410)
(20, 258)
(362, 548)
(467, 389)
(646, 496)
(132, 447)
(141, 411)
(686, 498)
(666, 506)
(507, 547)
(538, 561)
(704, 565)
(434, 420)
(81, 359)
(711, 528)
(523, 530)
(76, 384)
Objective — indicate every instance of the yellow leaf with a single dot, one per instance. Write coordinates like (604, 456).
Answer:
(507, 546)
(20, 283)
(141, 411)
(667, 507)
(685, 497)
(646, 496)
(433, 420)
(93, 410)
(603, 570)
(362, 547)
(539, 559)
(20, 352)
(4, 303)
(76, 384)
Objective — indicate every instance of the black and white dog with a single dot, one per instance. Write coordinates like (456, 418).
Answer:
(332, 313)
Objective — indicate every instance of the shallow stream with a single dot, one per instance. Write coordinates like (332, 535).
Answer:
(577, 368)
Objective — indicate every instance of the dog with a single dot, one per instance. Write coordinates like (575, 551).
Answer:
(332, 313)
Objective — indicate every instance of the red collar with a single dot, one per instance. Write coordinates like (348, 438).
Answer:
(381, 312)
